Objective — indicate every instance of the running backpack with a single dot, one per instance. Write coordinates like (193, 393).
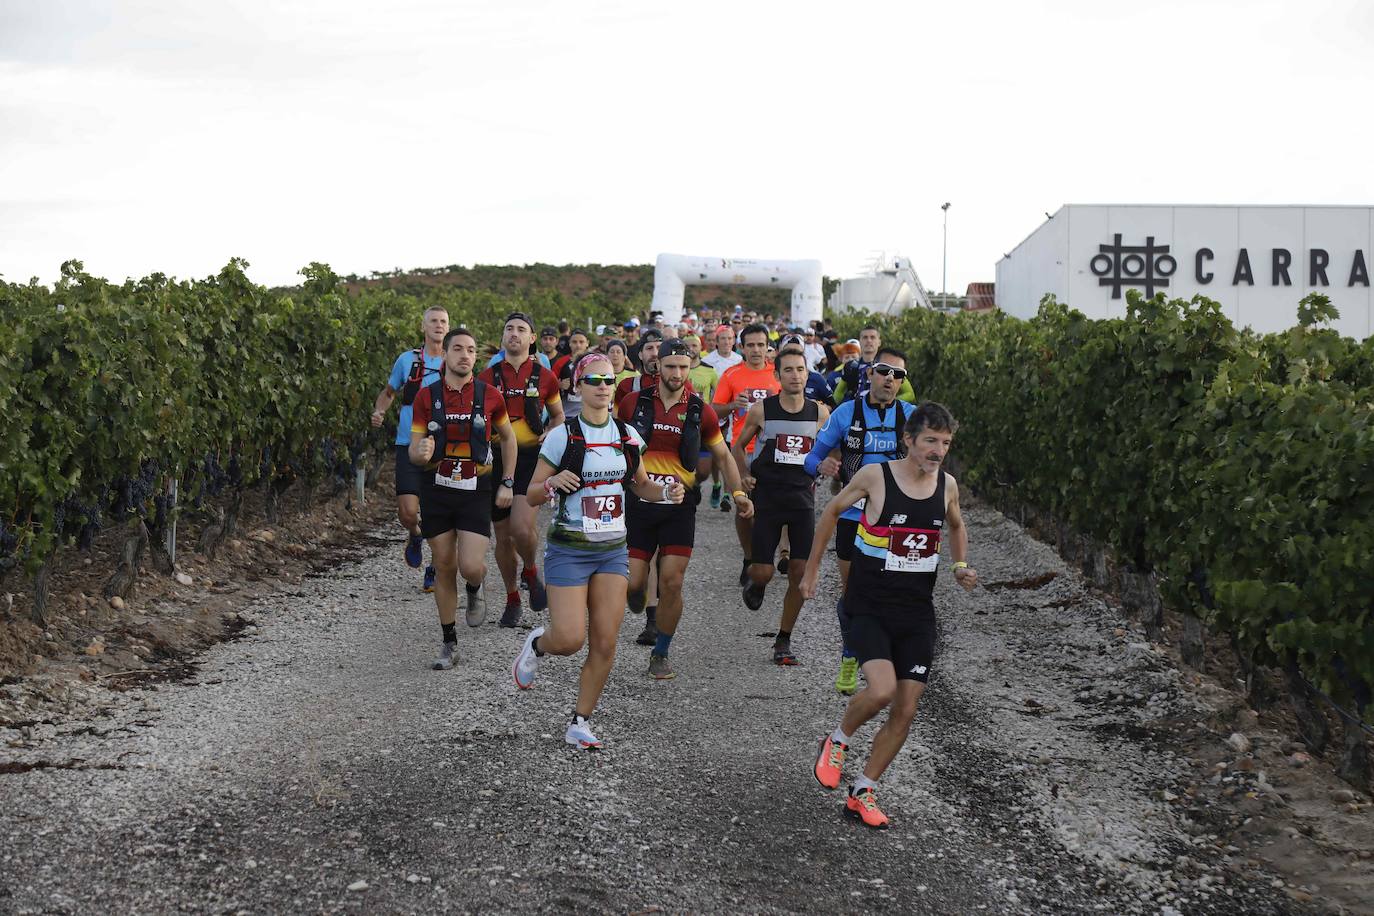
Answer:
(534, 408)
(479, 442)
(852, 448)
(689, 444)
(575, 452)
(416, 379)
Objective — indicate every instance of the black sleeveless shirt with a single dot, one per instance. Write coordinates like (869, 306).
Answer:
(896, 555)
(780, 456)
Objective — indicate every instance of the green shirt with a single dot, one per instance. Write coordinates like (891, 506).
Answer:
(703, 379)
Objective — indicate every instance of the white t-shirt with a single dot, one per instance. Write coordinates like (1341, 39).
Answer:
(815, 356)
(721, 363)
(602, 525)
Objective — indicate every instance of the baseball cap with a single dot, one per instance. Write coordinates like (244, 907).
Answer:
(651, 335)
(632, 323)
(522, 317)
(674, 347)
(549, 331)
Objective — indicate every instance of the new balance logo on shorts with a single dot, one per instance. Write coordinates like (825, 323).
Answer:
(919, 669)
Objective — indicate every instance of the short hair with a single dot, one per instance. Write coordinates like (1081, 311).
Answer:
(754, 328)
(873, 328)
(436, 308)
(930, 415)
(454, 332)
(578, 332)
(563, 326)
(787, 351)
(889, 351)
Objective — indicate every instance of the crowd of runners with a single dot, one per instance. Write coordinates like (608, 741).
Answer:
(621, 430)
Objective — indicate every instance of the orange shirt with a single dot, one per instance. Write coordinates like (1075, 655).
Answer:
(757, 384)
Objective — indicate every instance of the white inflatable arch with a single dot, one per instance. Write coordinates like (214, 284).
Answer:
(673, 273)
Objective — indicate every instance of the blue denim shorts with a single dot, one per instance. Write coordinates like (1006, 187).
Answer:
(570, 566)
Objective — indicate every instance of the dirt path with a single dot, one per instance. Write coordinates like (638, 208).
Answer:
(316, 764)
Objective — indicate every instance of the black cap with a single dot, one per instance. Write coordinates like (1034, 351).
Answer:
(522, 316)
(650, 335)
(674, 347)
(549, 331)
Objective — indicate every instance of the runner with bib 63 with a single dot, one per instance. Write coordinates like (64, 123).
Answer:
(910, 504)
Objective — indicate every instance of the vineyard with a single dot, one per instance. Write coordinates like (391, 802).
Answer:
(1231, 469)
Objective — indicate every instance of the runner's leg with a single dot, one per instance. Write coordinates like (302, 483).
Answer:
(443, 550)
(472, 558)
(672, 568)
(408, 511)
(881, 686)
(505, 554)
(890, 738)
(567, 627)
(605, 613)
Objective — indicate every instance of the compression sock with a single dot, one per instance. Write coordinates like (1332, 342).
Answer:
(661, 644)
(530, 573)
(512, 597)
(838, 736)
(651, 612)
(862, 782)
(450, 634)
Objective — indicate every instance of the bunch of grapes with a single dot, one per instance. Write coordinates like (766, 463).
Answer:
(215, 476)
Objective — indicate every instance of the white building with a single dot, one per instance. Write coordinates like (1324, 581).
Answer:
(1256, 261)
(890, 285)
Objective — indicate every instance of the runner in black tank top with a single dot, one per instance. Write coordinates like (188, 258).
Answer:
(784, 493)
(912, 504)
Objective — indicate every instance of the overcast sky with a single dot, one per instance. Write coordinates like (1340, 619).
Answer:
(169, 136)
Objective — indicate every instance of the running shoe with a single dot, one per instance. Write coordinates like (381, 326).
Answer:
(726, 503)
(527, 662)
(580, 734)
(477, 606)
(829, 768)
(744, 574)
(783, 559)
(414, 555)
(863, 805)
(715, 496)
(649, 635)
(753, 596)
(659, 668)
(847, 681)
(429, 580)
(539, 597)
(782, 653)
(511, 616)
(445, 659)
(634, 601)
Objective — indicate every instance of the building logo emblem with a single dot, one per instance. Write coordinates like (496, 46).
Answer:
(1117, 265)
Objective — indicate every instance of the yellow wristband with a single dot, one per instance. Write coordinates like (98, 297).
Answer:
(738, 493)
(961, 565)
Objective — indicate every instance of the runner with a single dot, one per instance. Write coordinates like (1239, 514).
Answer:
(740, 386)
(724, 355)
(563, 367)
(677, 423)
(865, 436)
(911, 505)
(450, 447)
(649, 343)
(852, 383)
(586, 464)
(786, 425)
(529, 390)
(412, 371)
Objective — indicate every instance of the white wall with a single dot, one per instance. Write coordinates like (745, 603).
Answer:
(1057, 258)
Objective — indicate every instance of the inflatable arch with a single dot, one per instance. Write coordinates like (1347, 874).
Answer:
(673, 273)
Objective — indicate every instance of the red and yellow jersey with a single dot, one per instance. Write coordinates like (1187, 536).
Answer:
(630, 387)
(458, 416)
(663, 456)
(515, 385)
(756, 384)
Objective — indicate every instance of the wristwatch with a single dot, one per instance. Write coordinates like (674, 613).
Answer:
(508, 482)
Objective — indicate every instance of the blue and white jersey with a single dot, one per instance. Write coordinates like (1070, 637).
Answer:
(882, 437)
(400, 372)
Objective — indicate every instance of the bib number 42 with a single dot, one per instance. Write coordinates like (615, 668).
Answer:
(912, 550)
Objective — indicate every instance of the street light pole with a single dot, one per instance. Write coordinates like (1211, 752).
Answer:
(944, 269)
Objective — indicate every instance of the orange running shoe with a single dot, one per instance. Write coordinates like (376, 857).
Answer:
(864, 805)
(830, 762)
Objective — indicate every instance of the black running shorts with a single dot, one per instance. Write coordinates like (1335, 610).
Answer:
(909, 643)
(845, 531)
(668, 530)
(768, 525)
(408, 475)
(526, 460)
(444, 510)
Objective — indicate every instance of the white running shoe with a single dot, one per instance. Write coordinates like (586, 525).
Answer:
(580, 734)
(477, 606)
(445, 659)
(527, 663)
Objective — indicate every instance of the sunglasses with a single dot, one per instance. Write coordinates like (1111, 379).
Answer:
(598, 379)
(885, 369)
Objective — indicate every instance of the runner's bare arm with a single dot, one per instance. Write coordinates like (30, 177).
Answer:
(545, 477)
(753, 422)
(867, 479)
(383, 404)
(966, 576)
(509, 449)
(652, 491)
(721, 456)
(421, 449)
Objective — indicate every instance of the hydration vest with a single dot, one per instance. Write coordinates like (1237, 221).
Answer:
(479, 441)
(689, 443)
(416, 379)
(575, 452)
(534, 408)
(852, 446)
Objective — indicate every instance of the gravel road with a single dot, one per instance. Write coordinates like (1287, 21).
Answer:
(316, 764)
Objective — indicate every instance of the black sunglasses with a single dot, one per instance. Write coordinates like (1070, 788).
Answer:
(598, 379)
(885, 369)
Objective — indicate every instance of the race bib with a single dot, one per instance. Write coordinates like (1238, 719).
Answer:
(603, 514)
(791, 449)
(912, 550)
(662, 479)
(757, 394)
(456, 474)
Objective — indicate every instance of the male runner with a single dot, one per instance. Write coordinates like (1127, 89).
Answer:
(740, 386)
(724, 355)
(866, 432)
(853, 380)
(412, 371)
(548, 344)
(676, 423)
(529, 390)
(450, 446)
(910, 505)
(563, 369)
(649, 343)
(784, 494)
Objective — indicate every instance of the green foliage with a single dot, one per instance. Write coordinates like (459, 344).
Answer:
(1235, 465)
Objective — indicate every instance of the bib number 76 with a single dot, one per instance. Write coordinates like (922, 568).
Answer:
(602, 514)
